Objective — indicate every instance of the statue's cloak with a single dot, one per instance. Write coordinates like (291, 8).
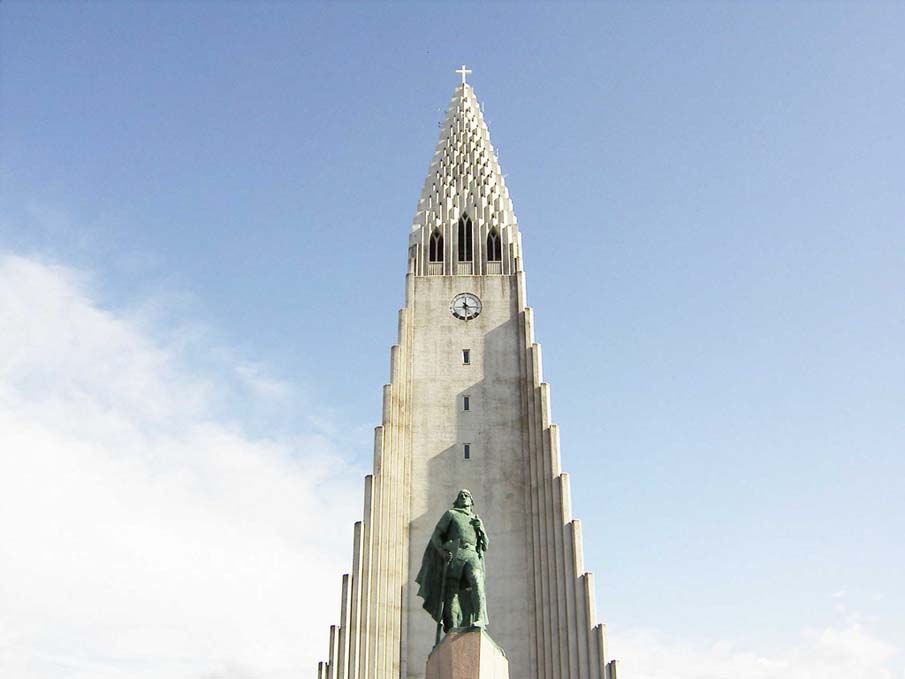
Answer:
(430, 580)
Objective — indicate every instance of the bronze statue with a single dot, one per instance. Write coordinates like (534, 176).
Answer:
(451, 578)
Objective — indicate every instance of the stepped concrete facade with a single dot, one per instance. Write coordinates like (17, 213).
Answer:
(467, 407)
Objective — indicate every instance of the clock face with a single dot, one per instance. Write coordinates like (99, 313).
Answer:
(465, 306)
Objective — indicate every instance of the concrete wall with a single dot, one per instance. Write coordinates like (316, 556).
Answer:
(540, 600)
(496, 472)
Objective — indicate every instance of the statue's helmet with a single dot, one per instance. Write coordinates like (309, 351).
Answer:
(464, 498)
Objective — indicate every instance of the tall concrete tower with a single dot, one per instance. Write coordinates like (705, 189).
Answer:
(467, 407)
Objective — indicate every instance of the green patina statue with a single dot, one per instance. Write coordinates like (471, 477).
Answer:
(451, 578)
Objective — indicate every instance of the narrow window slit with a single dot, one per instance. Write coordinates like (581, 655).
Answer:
(494, 247)
(465, 239)
(436, 246)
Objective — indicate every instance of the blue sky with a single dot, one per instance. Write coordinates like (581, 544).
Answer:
(711, 202)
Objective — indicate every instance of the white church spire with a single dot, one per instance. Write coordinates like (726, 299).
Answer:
(467, 407)
(464, 182)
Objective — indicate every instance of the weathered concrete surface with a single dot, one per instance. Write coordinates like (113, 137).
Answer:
(496, 473)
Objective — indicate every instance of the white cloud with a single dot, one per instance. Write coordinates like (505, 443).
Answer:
(256, 377)
(143, 533)
(845, 650)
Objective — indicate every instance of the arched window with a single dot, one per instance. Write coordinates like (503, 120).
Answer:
(494, 247)
(435, 246)
(465, 233)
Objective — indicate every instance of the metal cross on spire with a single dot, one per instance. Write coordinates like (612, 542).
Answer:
(463, 71)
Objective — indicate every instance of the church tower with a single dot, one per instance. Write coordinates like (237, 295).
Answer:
(467, 407)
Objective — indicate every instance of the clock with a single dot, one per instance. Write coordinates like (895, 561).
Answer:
(465, 306)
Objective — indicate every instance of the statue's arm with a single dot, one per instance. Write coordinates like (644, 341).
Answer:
(483, 540)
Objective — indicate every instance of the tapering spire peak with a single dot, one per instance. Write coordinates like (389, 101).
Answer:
(465, 181)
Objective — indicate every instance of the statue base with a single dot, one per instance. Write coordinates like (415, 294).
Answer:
(467, 654)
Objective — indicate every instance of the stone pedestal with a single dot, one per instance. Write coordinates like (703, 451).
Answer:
(467, 655)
